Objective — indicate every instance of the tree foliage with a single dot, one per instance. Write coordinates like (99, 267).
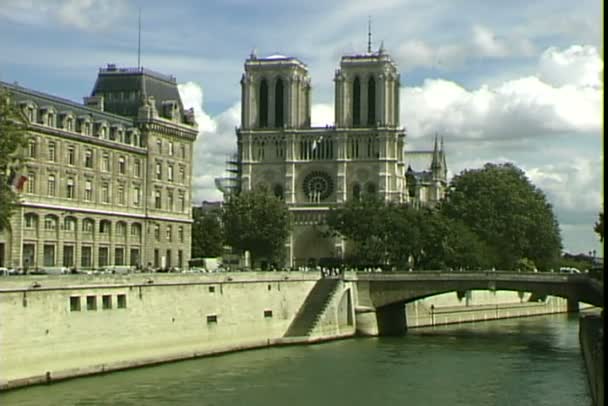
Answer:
(12, 139)
(599, 226)
(509, 214)
(392, 234)
(207, 233)
(258, 222)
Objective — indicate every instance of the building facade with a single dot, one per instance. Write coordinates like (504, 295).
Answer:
(108, 181)
(314, 169)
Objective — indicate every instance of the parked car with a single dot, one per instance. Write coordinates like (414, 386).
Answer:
(570, 270)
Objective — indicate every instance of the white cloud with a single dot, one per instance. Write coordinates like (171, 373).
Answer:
(576, 65)
(518, 108)
(215, 143)
(488, 44)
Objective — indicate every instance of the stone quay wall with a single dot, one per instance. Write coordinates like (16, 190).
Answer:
(54, 327)
(591, 335)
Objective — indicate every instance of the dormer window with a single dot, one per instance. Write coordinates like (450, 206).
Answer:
(68, 124)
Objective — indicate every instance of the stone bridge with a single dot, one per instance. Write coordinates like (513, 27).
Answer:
(381, 296)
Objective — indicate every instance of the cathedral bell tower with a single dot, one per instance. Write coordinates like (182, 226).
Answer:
(275, 93)
(367, 91)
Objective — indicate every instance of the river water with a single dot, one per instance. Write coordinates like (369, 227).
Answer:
(528, 361)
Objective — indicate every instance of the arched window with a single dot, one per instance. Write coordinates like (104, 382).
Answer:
(263, 103)
(279, 116)
(136, 231)
(371, 101)
(356, 191)
(50, 222)
(88, 225)
(69, 224)
(356, 102)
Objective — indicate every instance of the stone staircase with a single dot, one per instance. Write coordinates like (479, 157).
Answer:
(313, 307)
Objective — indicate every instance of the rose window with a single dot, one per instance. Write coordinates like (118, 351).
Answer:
(318, 186)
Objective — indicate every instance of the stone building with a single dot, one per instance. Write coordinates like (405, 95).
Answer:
(108, 181)
(314, 169)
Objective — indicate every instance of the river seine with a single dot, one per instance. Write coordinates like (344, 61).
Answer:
(528, 361)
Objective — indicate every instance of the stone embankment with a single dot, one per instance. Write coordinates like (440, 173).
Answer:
(591, 335)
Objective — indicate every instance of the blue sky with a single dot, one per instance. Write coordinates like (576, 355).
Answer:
(513, 81)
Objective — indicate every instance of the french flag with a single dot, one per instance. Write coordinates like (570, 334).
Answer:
(16, 181)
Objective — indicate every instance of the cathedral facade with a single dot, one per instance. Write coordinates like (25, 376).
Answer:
(316, 168)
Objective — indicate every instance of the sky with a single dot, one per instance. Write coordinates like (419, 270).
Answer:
(501, 81)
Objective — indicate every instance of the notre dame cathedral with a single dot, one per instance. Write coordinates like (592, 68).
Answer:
(316, 168)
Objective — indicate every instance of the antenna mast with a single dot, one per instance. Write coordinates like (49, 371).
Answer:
(139, 40)
(369, 34)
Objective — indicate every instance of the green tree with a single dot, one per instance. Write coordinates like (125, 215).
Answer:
(599, 226)
(500, 205)
(12, 138)
(258, 222)
(207, 233)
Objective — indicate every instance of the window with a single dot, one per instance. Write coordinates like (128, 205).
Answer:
(71, 155)
(31, 149)
(136, 231)
(86, 259)
(68, 255)
(182, 174)
(51, 185)
(122, 165)
(170, 144)
(120, 191)
(105, 163)
(69, 224)
(180, 258)
(182, 201)
(121, 229)
(69, 124)
(212, 318)
(136, 196)
(91, 302)
(371, 102)
(159, 170)
(70, 188)
(52, 152)
(267, 314)
(88, 158)
(88, 190)
(31, 183)
(180, 233)
(103, 256)
(50, 223)
(159, 146)
(88, 225)
(157, 232)
(211, 289)
(157, 199)
(278, 106)
(170, 173)
(121, 301)
(30, 221)
(75, 303)
(119, 256)
(48, 251)
(169, 199)
(104, 227)
(183, 148)
(134, 257)
(137, 170)
(356, 102)
(106, 302)
(263, 103)
(169, 233)
(105, 192)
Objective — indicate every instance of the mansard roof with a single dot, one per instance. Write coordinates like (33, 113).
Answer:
(125, 89)
(22, 94)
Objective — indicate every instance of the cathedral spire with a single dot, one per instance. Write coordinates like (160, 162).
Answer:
(436, 163)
